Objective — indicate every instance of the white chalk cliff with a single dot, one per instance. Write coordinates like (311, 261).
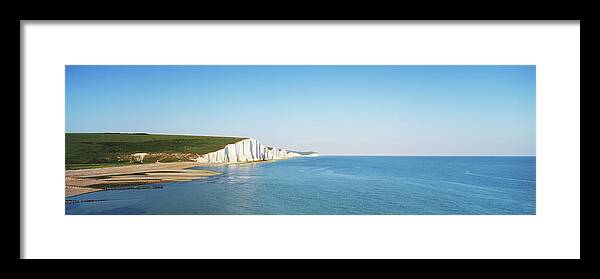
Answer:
(248, 150)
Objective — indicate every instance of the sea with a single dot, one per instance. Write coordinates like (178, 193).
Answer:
(336, 185)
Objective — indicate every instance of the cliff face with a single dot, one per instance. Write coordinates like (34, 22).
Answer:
(248, 150)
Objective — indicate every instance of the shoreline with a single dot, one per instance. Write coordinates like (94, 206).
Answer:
(83, 181)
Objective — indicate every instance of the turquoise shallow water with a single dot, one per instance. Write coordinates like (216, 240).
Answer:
(338, 185)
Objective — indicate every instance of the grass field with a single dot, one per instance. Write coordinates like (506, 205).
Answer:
(93, 150)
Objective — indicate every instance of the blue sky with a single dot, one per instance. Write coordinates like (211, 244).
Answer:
(370, 110)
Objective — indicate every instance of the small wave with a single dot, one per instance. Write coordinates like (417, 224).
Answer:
(333, 173)
(478, 187)
(499, 177)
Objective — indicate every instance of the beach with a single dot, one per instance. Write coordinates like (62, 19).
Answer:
(84, 181)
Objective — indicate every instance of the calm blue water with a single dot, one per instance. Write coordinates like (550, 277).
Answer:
(338, 185)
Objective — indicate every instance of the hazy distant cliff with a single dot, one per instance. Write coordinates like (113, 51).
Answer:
(249, 150)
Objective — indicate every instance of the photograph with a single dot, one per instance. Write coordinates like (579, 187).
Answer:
(300, 140)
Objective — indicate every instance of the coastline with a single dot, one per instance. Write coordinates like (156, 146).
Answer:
(83, 181)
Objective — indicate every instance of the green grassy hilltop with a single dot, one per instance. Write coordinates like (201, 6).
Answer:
(92, 150)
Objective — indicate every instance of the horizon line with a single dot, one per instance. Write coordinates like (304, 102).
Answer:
(428, 155)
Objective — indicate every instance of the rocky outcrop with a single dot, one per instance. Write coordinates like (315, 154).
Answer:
(247, 150)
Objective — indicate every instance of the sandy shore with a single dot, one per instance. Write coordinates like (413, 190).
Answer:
(79, 182)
